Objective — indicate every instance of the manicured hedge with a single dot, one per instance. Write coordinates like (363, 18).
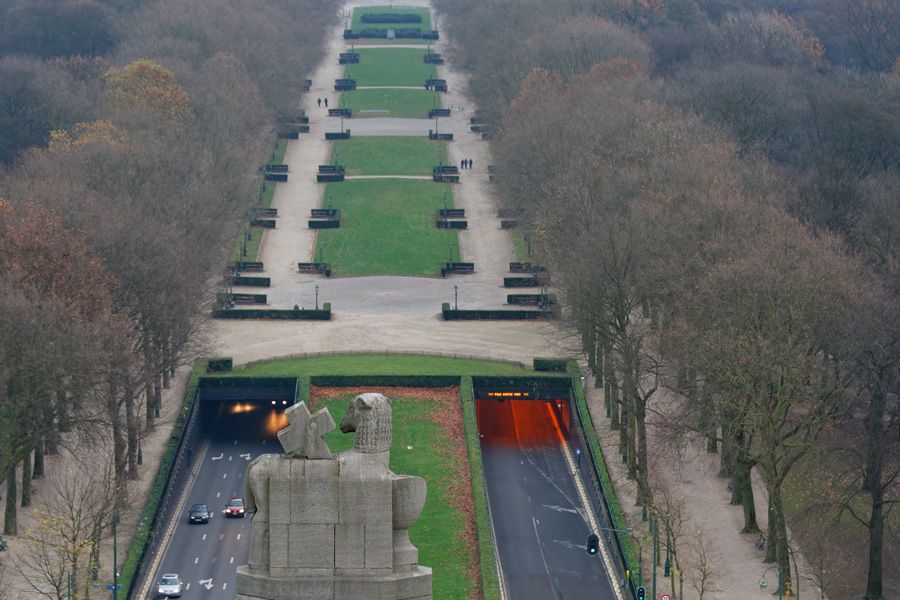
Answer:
(250, 281)
(490, 584)
(550, 364)
(491, 315)
(216, 365)
(324, 314)
(391, 18)
(425, 381)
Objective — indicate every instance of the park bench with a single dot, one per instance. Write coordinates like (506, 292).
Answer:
(430, 35)
(331, 168)
(242, 280)
(441, 137)
(446, 170)
(288, 134)
(524, 267)
(265, 213)
(329, 177)
(433, 58)
(345, 113)
(265, 223)
(530, 299)
(337, 135)
(438, 112)
(324, 223)
(441, 178)
(307, 85)
(315, 268)
(343, 85)
(270, 176)
(251, 266)
(520, 282)
(462, 268)
(445, 223)
(275, 168)
(324, 213)
(452, 213)
(348, 58)
(438, 85)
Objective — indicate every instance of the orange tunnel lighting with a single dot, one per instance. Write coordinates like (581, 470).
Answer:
(526, 423)
(275, 421)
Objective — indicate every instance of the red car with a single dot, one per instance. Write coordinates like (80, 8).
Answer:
(234, 508)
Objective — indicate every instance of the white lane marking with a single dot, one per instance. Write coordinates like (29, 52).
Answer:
(187, 586)
(238, 536)
(231, 562)
(561, 509)
(224, 475)
(196, 559)
(224, 585)
(588, 508)
(221, 536)
(207, 583)
(230, 457)
(204, 536)
(219, 457)
(218, 494)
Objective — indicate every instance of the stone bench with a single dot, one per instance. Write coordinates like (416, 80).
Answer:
(452, 213)
(437, 85)
(265, 213)
(438, 112)
(521, 282)
(251, 266)
(530, 299)
(265, 223)
(337, 135)
(430, 35)
(348, 58)
(432, 58)
(329, 177)
(324, 213)
(324, 223)
(440, 137)
(345, 113)
(331, 168)
(344, 85)
(269, 176)
(446, 170)
(315, 268)
(288, 134)
(275, 168)
(241, 280)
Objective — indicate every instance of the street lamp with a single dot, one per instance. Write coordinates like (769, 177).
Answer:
(764, 583)
(455, 298)
(317, 296)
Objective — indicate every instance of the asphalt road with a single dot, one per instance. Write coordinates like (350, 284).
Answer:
(539, 526)
(206, 555)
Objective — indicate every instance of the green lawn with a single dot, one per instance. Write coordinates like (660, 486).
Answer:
(387, 228)
(390, 66)
(520, 245)
(439, 530)
(379, 364)
(410, 104)
(358, 12)
(256, 234)
(396, 155)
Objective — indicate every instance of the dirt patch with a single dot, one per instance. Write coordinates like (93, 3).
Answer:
(448, 416)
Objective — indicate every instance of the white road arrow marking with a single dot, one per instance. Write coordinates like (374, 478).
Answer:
(229, 458)
(231, 562)
(224, 475)
(196, 559)
(246, 456)
(561, 509)
(225, 585)
(219, 457)
(204, 536)
(207, 583)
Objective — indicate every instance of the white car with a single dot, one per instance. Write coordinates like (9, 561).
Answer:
(170, 585)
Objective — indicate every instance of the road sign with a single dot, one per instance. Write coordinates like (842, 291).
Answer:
(665, 597)
(117, 586)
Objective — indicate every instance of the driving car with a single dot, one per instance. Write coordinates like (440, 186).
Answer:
(199, 513)
(170, 585)
(234, 508)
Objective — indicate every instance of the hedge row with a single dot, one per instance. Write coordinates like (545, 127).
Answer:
(141, 538)
(490, 584)
(309, 314)
(219, 364)
(424, 381)
(491, 315)
(550, 364)
(391, 18)
(609, 492)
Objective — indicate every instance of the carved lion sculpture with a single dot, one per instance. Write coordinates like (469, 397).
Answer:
(369, 415)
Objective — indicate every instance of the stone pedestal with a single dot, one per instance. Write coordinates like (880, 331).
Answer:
(414, 584)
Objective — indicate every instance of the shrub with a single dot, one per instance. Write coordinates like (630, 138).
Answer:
(219, 364)
(550, 364)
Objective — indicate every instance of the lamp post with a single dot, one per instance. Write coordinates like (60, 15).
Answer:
(317, 296)
(455, 298)
(450, 248)
(140, 452)
(115, 586)
(764, 583)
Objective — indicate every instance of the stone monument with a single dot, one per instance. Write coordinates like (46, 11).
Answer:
(329, 527)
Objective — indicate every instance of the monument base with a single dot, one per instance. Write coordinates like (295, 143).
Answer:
(414, 584)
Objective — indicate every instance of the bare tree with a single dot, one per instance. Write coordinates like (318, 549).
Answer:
(703, 572)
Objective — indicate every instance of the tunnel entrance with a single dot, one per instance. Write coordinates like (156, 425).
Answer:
(244, 408)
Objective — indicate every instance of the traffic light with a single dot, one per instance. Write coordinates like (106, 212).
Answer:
(641, 594)
(593, 544)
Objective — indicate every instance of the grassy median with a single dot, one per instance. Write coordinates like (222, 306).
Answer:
(389, 155)
(404, 104)
(390, 66)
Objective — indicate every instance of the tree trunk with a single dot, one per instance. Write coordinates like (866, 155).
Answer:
(115, 420)
(26, 479)
(157, 394)
(645, 496)
(874, 583)
(132, 424)
(743, 492)
(37, 470)
(9, 524)
(148, 393)
(600, 366)
(778, 531)
(613, 387)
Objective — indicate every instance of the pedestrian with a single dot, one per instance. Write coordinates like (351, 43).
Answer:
(469, 163)
(319, 101)
(462, 164)
(326, 102)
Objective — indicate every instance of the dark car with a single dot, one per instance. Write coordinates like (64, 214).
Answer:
(199, 513)
(234, 508)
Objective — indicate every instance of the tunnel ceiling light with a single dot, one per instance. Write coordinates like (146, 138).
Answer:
(273, 402)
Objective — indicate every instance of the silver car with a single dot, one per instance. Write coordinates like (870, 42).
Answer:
(170, 585)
